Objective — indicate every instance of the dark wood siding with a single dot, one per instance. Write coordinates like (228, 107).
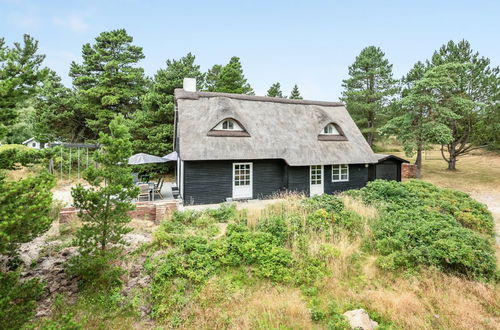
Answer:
(268, 177)
(358, 177)
(298, 179)
(389, 169)
(207, 182)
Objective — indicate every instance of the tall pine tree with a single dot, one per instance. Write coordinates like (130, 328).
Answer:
(478, 82)
(295, 94)
(108, 81)
(153, 125)
(368, 91)
(275, 90)
(20, 74)
(228, 78)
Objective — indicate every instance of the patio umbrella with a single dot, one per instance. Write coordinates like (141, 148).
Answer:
(142, 158)
(171, 157)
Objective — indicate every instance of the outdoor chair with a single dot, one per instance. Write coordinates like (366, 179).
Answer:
(157, 188)
(144, 191)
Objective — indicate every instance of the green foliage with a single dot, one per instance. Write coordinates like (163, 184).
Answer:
(95, 272)
(108, 82)
(228, 78)
(20, 73)
(104, 206)
(426, 225)
(25, 207)
(57, 116)
(152, 127)
(13, 155)
(17, 300)
(369, 90)
(223, 213)
(275, 91)
(295, 93)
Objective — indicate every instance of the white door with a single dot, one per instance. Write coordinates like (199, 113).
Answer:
(316, 180)
(242, 180)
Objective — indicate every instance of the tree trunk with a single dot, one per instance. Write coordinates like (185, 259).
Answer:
(418, 162)
(452, 163)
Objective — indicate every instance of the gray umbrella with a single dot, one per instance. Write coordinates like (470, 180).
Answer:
(171, 156)
(143, 158)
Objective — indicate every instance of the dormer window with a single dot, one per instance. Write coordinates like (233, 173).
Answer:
(332, 132)
(330, 129)
(228, 127)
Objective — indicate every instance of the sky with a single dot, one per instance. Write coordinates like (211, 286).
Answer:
(309, 43)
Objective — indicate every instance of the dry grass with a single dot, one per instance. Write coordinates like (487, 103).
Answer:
(263, 306)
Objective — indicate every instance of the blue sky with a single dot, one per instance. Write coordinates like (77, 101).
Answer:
(310, 43)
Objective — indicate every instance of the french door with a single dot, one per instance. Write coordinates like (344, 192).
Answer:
(316, 180)
(242, 180)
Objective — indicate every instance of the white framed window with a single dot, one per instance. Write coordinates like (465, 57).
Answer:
(228, 125)
(330, 129)
(316, 174)
(340, 173)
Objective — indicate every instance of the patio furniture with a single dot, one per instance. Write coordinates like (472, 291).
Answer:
(144, 191)
(157, 188)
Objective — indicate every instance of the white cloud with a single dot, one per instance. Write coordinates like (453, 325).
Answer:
(73, 22)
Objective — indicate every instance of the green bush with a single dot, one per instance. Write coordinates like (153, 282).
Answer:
(17, 300)
(96, 272)
(407, 238)
(223, 213)
(415, 193)
(277, 226)
(329, 203)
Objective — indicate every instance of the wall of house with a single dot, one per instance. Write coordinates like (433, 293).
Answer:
(207, 182)
(389, 169)
(298, 179)
(358, 177)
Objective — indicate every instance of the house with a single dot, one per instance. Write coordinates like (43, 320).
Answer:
(32, 143)
(233, 146)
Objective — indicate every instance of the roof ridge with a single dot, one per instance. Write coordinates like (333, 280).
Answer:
(182, 94)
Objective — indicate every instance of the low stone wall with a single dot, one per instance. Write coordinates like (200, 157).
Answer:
(408, 170)
(150, 211)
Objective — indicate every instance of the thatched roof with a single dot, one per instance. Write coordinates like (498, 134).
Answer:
(278, 128)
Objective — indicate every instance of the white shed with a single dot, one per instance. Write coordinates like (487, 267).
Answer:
(32, 143)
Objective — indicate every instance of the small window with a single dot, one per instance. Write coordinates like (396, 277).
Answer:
(33, 144)
(228, 124)
(340, 173)
(331, 130)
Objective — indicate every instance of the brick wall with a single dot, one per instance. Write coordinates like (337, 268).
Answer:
(151, 211)
(408, 170)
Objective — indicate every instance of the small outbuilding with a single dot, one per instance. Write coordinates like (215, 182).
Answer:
(388, 167)
(32, 143)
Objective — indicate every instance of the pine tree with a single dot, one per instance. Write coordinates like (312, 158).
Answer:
(295, 94)
(57, 116)
(152, 126)
(275, 90)
(368, 90)
(228, 78)
(416, 119)
(478, 124)
(108, 82)
(20, 74)
(104, 206)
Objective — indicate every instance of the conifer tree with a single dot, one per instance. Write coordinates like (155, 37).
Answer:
(20, 75)
(275, 90)
(228, 78)
(295, 94)
(153, 125)
(108, 81)
(369, 90)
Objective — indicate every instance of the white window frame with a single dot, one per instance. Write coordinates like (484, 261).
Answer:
(335, 131)
(229, 121)
(340, 167)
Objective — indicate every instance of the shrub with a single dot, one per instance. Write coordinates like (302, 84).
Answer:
(224, 213)
(96, 272)
(17, 300)
(25, 208)
(407, 238)
(415, 193)
(277, 226)
(329, 203)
